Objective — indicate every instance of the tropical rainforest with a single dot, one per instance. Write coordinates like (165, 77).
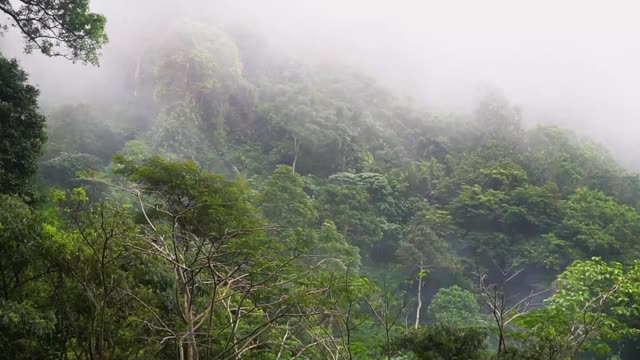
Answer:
(238, 204)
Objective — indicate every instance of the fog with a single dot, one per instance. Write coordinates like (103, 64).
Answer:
(573, 63)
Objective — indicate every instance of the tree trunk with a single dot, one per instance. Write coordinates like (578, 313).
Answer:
(190, 336)
(406, 321)
(388, 343)
(191, 354)
(136, 77)
(180, 350)
(192, 349)
(502, 346)
(419, 295)
(296, 149)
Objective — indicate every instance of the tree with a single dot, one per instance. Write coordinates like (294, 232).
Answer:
(424, 246)
(334, 250)
(193, 78)
(97, 311)
(429, 179)
(69, 279)
(190, 222)
(225, 271)
(348, 207)
(455, 306)
(62, 170)
(289, 210)
(503, 303)
(497, 118)
(345, 298)
(595, 302)
(63, 28)
(28, 320)
(442, 343)
(387, 311)
(560, 156)
(22, 134)
(77, 129)
(596, 224)
(20, 234)
(501, 213)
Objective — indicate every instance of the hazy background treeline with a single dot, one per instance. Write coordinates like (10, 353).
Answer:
(577, 69)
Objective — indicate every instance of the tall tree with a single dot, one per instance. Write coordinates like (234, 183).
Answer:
(22, 320)
(424, 246)
(22, 134)
(225, 271)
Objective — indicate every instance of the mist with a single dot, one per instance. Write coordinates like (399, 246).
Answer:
(571, 63)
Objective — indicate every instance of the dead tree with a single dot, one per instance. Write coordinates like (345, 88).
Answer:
(385, 315)
(504, 307)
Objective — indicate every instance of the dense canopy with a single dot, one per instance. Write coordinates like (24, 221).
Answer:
(240, 204)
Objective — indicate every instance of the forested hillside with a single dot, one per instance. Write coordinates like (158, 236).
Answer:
(236, 203)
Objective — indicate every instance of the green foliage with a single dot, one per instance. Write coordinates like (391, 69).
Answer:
(25, 319)
(135, 150)
(338, 253)
(58, 28)
(284, 199)
(194, 77)
(219, 202)
(63, 170)
(19, 236)
(496, 117)
(205, 230)
(502, 176)
(443, 342)
(77, 129)
(21, 128)
(425, 241)
(504, 213)
(598, 225)
(455, 307)
(593, 305)
(348, 207)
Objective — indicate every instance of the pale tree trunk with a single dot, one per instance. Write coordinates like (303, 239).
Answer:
(296, 149)
(180, 350)
(284, 342)
(136, 77)
(184, 298)
(419, 295)
(192, 349)
(406, 321)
